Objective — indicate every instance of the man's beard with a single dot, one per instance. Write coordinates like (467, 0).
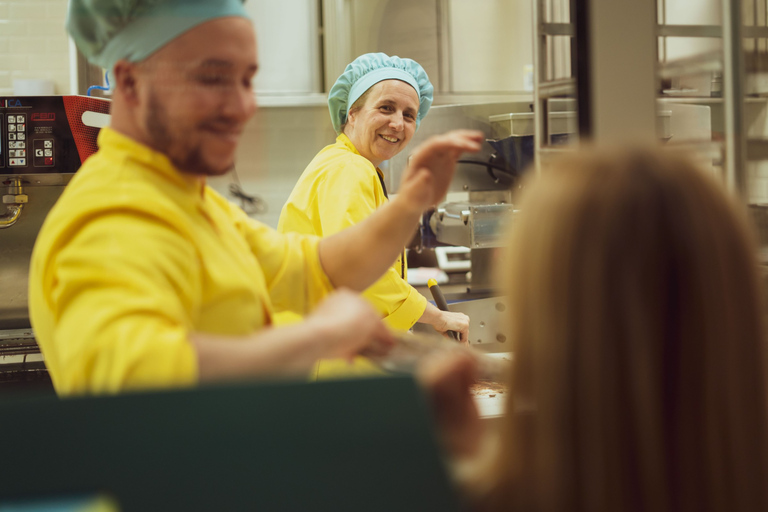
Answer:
(186, 159)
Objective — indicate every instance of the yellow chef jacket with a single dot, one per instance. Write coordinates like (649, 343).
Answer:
(338, 189)
(136, 255)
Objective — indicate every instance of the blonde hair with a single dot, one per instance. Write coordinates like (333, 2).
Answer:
(638, 338)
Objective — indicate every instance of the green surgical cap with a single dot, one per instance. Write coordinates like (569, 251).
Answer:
(106, 31)
(366, 71)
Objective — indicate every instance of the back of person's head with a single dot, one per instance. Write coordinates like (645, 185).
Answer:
(637, 331)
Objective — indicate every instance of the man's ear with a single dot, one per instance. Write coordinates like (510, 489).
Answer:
(126, 76)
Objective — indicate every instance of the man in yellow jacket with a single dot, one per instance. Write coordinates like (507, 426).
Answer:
(144, 277)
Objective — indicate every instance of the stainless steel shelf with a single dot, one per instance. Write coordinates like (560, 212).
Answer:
(704, 63)
(709, 148)
(707, 100)
(557, 150)
(557, 88)
(714, 31)
(757, 150)
(557, 29)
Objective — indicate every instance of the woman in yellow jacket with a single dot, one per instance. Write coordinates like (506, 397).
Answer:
(376, 106)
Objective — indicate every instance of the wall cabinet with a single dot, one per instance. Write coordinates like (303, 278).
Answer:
(467, 47)
(289, 48)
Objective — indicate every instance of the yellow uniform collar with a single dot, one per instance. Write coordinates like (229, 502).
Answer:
(344, 141)
(112, 140)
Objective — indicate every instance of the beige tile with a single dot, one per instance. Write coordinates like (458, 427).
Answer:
(58, 44)
(28, 45)
(49, 27)
(13, 28)
(45, 62)
(13, 62)
(27, 10)
(56, 9)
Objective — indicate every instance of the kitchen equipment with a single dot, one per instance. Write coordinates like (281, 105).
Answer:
(43, 142)
(472, 217)
(412, 348)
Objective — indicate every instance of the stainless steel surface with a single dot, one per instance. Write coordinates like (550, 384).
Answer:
(470, 225)
(13, 201)
(449, 117)
(11, 215)
(482, 263)
(733, 93)
(708, 31)
(709, 62)
(17, 342)
(487, 329)
(20, 357)
(16, 244)
(411, 349)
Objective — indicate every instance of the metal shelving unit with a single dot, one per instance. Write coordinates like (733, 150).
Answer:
(599, 37)
(546, 86)
(597, 30)
(738, 149)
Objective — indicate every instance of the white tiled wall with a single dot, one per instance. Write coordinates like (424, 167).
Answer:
(33, 43)
(277, 145)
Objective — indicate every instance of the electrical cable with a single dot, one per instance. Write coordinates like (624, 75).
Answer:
(490, 165)
(100, 87)
(250, 204)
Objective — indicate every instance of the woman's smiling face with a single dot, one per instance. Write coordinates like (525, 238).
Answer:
(386, 122)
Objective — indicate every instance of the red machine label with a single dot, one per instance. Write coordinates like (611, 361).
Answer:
(43, 116)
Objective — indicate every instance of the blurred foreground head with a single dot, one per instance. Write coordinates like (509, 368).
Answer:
(637, 323)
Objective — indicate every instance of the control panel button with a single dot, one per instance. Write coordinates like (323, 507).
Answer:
(43, 153)
(11, 119)
(11, 127)
(21, 118)
(21, 152)
(20, 145)
(11, 136)
(20, 127)
(21, 136)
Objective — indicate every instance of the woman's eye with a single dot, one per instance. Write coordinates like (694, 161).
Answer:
(386, 108)
(212, 79)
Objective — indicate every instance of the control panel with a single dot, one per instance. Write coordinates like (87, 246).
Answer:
(48, 134)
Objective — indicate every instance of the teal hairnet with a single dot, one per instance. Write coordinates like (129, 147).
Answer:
(106, 31)
(366, 71)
